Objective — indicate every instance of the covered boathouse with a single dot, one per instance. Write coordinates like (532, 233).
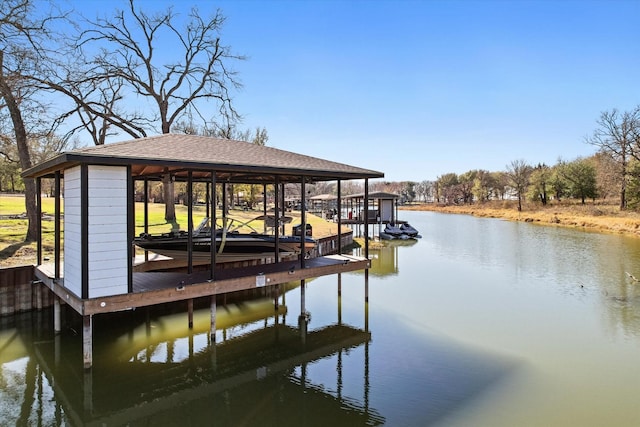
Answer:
(93, 266)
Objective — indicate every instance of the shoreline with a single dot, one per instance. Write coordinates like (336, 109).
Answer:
(589, 217)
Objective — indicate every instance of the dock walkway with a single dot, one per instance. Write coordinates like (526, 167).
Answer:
(150, 288)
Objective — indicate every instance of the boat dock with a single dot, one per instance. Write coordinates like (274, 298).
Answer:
(95, 270)
(151, 288)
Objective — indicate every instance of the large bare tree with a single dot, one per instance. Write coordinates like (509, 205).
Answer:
(617, 137)
(21, 49)
(140, 73)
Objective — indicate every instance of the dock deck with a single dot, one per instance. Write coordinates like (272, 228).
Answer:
(153, 287)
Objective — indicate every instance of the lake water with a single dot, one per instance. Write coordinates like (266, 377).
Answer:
(482, 322)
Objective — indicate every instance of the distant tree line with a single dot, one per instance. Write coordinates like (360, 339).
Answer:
(612, 173)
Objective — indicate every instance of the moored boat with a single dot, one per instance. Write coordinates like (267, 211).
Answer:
(230, 246)
(409, 230)
(403, 231)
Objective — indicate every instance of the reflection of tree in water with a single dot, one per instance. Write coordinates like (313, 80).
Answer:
(622, 307)
(384, 256)
(617, 263)
(578, 263)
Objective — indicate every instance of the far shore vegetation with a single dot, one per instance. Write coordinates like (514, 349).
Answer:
(600, 217)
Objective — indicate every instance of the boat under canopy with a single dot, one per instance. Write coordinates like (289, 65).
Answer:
(230, 246)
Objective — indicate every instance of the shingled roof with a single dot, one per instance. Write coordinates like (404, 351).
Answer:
(233, 161)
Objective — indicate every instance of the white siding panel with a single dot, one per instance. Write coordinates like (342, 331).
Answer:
(72, 249)
(101, 288)
(110, 184)
(97, 214)
(105, 244)
(108, 261)
(106, 196)
(107, 228)
(110, 229)
(71, 202)
(99, 219)
(103, 260)
(107, 273)
(71, 238)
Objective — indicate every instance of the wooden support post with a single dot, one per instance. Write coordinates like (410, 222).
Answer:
(87, 341)
(191, 347)
(366, 218)
(212, 226)
(207, 199)
(264, 207)
(56, 349)
(339, 209)
(213, 319)
(213, 352)
(57, 229)
(302, 320)
(284, 303)
(87, 390)
(39, 221)
(366, 285)
(276, 212)
(56, 315)
(366, 300)
(146, 213)
(276, 290)
(339, 299)
(190, 311)
(283, 206)
(302, 326)
(190, 222)
(303, 221)
(339, 370)
(212, 335)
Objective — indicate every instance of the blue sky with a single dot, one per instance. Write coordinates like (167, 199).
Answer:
(416, 89)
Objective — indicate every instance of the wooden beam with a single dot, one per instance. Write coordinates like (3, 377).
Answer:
(63, 293)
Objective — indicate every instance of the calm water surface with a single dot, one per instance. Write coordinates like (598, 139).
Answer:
(482, 322)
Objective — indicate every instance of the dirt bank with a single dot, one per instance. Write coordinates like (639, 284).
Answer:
(594, 217)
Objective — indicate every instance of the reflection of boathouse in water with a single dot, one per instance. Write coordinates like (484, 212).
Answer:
(97, 274)
(134, 382)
